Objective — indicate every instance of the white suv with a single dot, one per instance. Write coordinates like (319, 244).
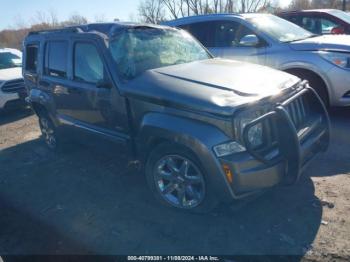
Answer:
(12, 89)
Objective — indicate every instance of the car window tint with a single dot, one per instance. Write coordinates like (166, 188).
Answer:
(311, 24)
(9, 60)
(318, 25)
(225, 33)
(327, 26)
(203, 31)
(241, 33)
(56, 59)
(31, 58)
(88, 65)
(294, 19)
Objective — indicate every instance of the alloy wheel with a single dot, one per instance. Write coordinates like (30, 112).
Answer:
(179, 181)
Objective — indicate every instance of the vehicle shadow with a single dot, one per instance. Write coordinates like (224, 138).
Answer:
(339, 151)
(25, 229)
(9, 116)
(96, 202)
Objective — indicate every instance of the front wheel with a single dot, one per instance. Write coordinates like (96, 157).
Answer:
(177, 179)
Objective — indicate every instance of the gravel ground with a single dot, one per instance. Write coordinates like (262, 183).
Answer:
(88, 202)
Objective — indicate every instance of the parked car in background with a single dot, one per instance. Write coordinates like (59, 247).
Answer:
(12, 90)
(203, 128)
(272, 41)
(320, 21)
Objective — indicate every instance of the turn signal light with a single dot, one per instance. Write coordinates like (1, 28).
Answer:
(228, 173)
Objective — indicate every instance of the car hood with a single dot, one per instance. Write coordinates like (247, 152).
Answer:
(214, 85)
(324, 42)
(10, 73)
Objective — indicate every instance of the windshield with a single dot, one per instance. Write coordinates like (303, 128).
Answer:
(139, 49)
(9, 60)
(280, 29)
(341, 15)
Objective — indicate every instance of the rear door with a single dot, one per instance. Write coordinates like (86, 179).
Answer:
(55, 76)
(204, 32)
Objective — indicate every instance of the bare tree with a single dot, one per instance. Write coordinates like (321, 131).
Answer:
(250, 6)
(75, 19)
(151, 11)
(100, 18)
(45, 19)
(174, 7)
(300, 4)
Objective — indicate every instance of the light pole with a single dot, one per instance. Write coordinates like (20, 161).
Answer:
(344, 5)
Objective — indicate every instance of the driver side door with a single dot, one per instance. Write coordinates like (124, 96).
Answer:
(238, 42)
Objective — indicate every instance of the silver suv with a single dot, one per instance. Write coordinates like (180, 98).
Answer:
(272, 41)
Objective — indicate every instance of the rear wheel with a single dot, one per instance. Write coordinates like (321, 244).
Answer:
(177, 179)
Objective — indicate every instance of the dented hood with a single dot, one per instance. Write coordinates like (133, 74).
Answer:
(214, 85)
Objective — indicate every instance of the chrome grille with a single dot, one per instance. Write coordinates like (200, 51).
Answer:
(13, 86)
(297, 111)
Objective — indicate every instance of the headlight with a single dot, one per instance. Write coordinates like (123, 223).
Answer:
(228, 149)
(337, 58)
(255, 133)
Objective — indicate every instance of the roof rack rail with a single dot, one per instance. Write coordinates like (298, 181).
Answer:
(58, 30)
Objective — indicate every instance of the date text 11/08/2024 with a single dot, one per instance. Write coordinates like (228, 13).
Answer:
(173, 258)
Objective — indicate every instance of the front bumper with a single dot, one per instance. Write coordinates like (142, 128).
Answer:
(255, 170)
(339, 81)
(6, 98)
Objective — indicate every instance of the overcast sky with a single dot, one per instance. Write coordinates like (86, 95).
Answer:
(15, 12)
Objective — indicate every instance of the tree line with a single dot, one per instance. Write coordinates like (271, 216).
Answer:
(13, 38)
(156, 11)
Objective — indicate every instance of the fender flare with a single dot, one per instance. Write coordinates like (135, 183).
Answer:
(199, 137)
(309, 67)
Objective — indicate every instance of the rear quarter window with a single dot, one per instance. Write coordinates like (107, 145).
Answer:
(31, 63)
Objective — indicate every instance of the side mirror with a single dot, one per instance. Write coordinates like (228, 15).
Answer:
(249, 40)
(104, 84)
(337, 30)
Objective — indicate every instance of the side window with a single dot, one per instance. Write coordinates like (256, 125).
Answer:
(225, 33)
(88, 65)
(293, 19)
(31, 64)
(327, 26)
(311, 24)
(203, 31)
(244, 31)
(56, 58)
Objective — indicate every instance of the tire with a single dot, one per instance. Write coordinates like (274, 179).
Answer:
(183, 177)
(49, 132)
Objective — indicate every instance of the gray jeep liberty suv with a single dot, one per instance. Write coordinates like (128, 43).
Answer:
(205, 130)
